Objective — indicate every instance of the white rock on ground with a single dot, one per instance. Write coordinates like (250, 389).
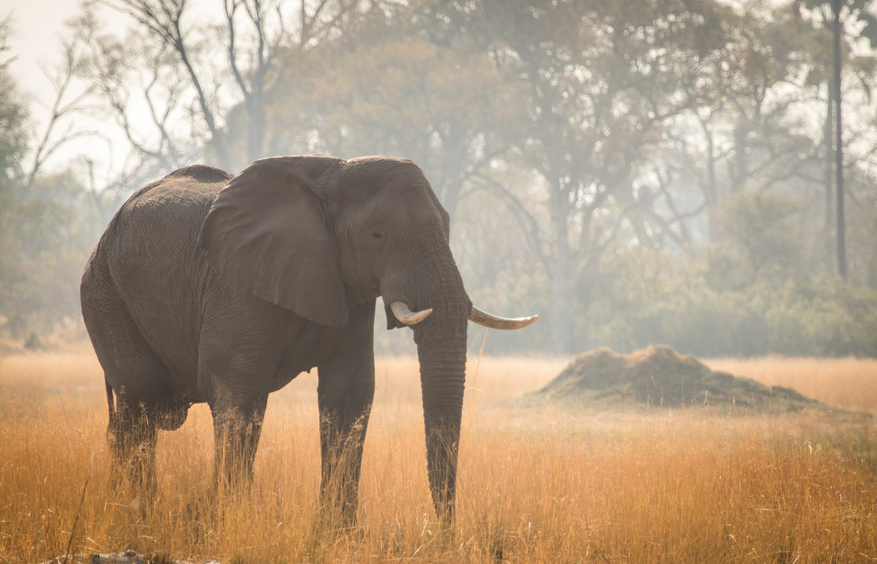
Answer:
(127, 557)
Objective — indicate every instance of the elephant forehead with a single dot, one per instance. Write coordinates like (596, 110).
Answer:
(408, 203)
(374, 173)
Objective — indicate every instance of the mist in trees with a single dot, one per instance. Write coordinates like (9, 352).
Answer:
(645, 171)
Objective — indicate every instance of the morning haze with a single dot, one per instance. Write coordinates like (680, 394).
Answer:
(668, 179)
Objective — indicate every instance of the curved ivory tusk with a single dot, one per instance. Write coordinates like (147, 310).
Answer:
(406, 316)
(493, 322)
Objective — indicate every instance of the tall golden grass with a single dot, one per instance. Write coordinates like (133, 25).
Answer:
(850, 383)
(535, 486)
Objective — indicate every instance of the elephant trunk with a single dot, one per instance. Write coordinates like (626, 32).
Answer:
(442, 380)
(441, 350)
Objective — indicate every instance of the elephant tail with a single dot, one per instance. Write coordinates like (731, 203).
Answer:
(110, 402)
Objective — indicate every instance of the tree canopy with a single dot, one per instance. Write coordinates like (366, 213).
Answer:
(636, 172)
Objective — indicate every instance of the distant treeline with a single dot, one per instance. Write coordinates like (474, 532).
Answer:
(644, 297)
(646, 171)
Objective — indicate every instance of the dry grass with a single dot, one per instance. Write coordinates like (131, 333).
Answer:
(545, 486)
(850, 383)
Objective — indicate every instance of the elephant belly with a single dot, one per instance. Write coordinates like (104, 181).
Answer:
(308, 346)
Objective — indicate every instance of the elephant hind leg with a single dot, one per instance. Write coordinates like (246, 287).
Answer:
(131, 370)
(132, 435)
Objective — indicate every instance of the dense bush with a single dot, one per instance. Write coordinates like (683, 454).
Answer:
(642, 297)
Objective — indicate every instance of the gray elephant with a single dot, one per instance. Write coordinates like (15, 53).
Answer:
(219, 289)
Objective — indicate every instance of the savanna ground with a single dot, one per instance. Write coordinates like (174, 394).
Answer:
(534, 486)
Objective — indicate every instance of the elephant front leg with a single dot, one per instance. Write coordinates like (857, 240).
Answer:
(242, 339)
(236, 430)
(345, 393)
(344, 413)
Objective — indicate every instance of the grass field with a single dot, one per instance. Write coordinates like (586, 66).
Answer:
(535, 486)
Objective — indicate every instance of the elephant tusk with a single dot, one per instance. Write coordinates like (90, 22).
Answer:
(406, 316)
(493, 322)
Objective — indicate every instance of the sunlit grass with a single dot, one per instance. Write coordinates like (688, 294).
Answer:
(850, 383)
(535, 486)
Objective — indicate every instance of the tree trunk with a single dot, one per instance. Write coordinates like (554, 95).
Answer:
(827, 169)
(563, 275)
(563, 303)
(255, 130)
(838, 148)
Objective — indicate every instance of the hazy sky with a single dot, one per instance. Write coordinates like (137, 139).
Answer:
(37, 29)
(37, 25)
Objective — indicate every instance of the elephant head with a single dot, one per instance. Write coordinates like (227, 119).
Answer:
(317, 235)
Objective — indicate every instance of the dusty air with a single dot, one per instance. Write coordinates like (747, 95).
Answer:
(439, 281)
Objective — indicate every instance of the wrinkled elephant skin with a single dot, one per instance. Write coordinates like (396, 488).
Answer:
(211, 288)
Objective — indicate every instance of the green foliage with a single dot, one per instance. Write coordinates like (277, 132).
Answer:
(641, 297)
(400, 86)
(32, 342)
(46, 234)
(47, 229)
(13, 115)
(755, 237)
(644, 171)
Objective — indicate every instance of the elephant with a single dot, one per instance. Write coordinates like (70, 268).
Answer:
(208, 287)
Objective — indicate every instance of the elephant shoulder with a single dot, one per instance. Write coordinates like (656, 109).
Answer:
(193, 179)
(201, 173)
(165, 214)
(186, 192)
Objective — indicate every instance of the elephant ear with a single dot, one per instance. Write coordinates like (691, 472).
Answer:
(267, 234)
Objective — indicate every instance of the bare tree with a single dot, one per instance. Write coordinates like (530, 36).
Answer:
(132, 74)
(252, 33)
(69, 98)
(163, 20)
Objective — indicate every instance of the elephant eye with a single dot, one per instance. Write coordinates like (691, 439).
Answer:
(378, 235)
